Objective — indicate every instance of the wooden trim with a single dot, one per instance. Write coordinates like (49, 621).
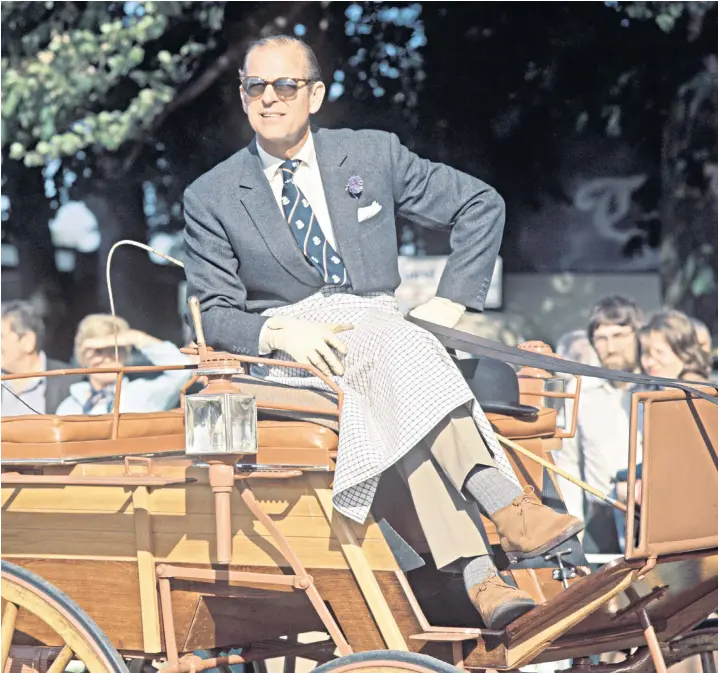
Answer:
(116, 409)
(62, 660)
(363, 573)
(146, 569)
(9, 619)
(524, 652)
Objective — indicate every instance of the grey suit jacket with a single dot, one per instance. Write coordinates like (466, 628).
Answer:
(57, 388)
(242, 258)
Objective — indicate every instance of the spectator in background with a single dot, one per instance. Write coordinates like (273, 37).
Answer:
(704, 336)
(95, 348)
(603, 417)
(706, 341)
(670, 348)
(23, 333)
(576, 347)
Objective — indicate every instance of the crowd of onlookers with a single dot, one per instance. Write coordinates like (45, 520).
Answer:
(101, 343)
(617, 336)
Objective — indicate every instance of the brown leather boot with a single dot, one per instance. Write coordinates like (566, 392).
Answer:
(528, 528)
(499, 603)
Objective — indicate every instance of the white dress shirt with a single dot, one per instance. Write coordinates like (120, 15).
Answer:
(309, 180)
(600, 448)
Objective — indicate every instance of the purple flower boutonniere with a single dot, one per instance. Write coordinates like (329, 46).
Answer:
(355, 186)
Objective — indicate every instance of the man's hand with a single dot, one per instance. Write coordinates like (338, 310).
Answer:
(440, 311)
(307, 342)
(104, 346)
(126, 338)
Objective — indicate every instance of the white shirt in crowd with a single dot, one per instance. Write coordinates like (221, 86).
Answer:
(600, 448)
(309, 180)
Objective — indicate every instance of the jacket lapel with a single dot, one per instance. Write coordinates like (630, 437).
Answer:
(258, 198)
(335, 169)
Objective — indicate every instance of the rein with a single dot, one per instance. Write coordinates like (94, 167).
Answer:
(480, 346)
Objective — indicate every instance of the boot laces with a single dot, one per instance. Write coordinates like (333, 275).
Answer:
(493, 577)
(527, 498)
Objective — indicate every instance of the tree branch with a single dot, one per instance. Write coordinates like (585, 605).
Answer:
(210, 76)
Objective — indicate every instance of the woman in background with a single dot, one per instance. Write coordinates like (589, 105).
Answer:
(670, 348)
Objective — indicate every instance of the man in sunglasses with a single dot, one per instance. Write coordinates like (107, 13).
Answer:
(291, 242)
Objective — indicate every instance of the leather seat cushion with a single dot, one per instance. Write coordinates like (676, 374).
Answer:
(542, 425)
(324, 403)
(47, 429)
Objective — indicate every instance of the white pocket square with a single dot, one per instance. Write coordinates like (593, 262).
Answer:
(368, 211)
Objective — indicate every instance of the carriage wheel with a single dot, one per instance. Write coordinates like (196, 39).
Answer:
(82, 638)
(386, 661)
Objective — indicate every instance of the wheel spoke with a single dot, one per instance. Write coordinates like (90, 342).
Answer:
(61, 619)
(63, 659)
(8, 630)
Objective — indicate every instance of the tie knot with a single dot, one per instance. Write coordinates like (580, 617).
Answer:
(290, 166)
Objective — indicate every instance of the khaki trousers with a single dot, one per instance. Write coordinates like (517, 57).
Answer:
(435, 471)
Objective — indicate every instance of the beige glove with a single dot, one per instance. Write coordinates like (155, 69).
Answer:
(440, 311)
(307, 342)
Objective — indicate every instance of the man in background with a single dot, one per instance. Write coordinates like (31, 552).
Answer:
(603, 416)
(95, 349)
(23, 333)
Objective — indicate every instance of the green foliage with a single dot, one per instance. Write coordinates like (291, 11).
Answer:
(665, 14)
(77, 76)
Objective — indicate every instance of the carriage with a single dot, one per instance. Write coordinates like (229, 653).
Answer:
(127, 545)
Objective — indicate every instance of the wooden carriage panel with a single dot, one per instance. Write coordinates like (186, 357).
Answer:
(107, 590)
(679, 510)
(99, 522)
(530, 634)
(677, 594)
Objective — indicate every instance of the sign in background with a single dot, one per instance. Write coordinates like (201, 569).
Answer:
(420, 278)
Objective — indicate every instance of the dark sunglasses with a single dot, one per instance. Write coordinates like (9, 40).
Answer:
(286, 88)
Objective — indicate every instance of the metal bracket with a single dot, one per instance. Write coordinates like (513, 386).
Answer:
(641, 602)
(562, 573)
(138, 461)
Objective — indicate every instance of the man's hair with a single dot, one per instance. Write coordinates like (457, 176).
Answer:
(97, 325)
(614, 310)
(576, 347)
(314, 71)
(680, 334)
(23, 317)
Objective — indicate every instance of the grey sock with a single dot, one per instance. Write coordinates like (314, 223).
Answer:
(476, 569)
(491, 489)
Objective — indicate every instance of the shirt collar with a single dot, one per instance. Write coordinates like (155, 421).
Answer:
(271, 164)
(37, 382)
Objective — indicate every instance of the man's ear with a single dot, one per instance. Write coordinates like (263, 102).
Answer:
(245, 102)
(28, 342)
(316, 98)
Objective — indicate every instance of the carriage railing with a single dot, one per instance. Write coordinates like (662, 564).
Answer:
(555, 394)
(214, 362)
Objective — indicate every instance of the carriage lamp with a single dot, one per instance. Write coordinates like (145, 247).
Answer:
(221, 419)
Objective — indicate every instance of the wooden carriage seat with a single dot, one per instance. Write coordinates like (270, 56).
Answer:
(68, 437)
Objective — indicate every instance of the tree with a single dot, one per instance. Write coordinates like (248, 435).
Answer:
(501, 88)
(122, 95)
(88, 89)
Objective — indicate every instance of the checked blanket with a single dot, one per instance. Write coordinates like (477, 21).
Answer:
(398, 383)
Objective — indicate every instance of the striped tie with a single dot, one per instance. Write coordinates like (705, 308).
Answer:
(307, 231)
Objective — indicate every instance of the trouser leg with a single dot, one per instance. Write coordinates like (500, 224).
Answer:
(460, 451)
(435, 470)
